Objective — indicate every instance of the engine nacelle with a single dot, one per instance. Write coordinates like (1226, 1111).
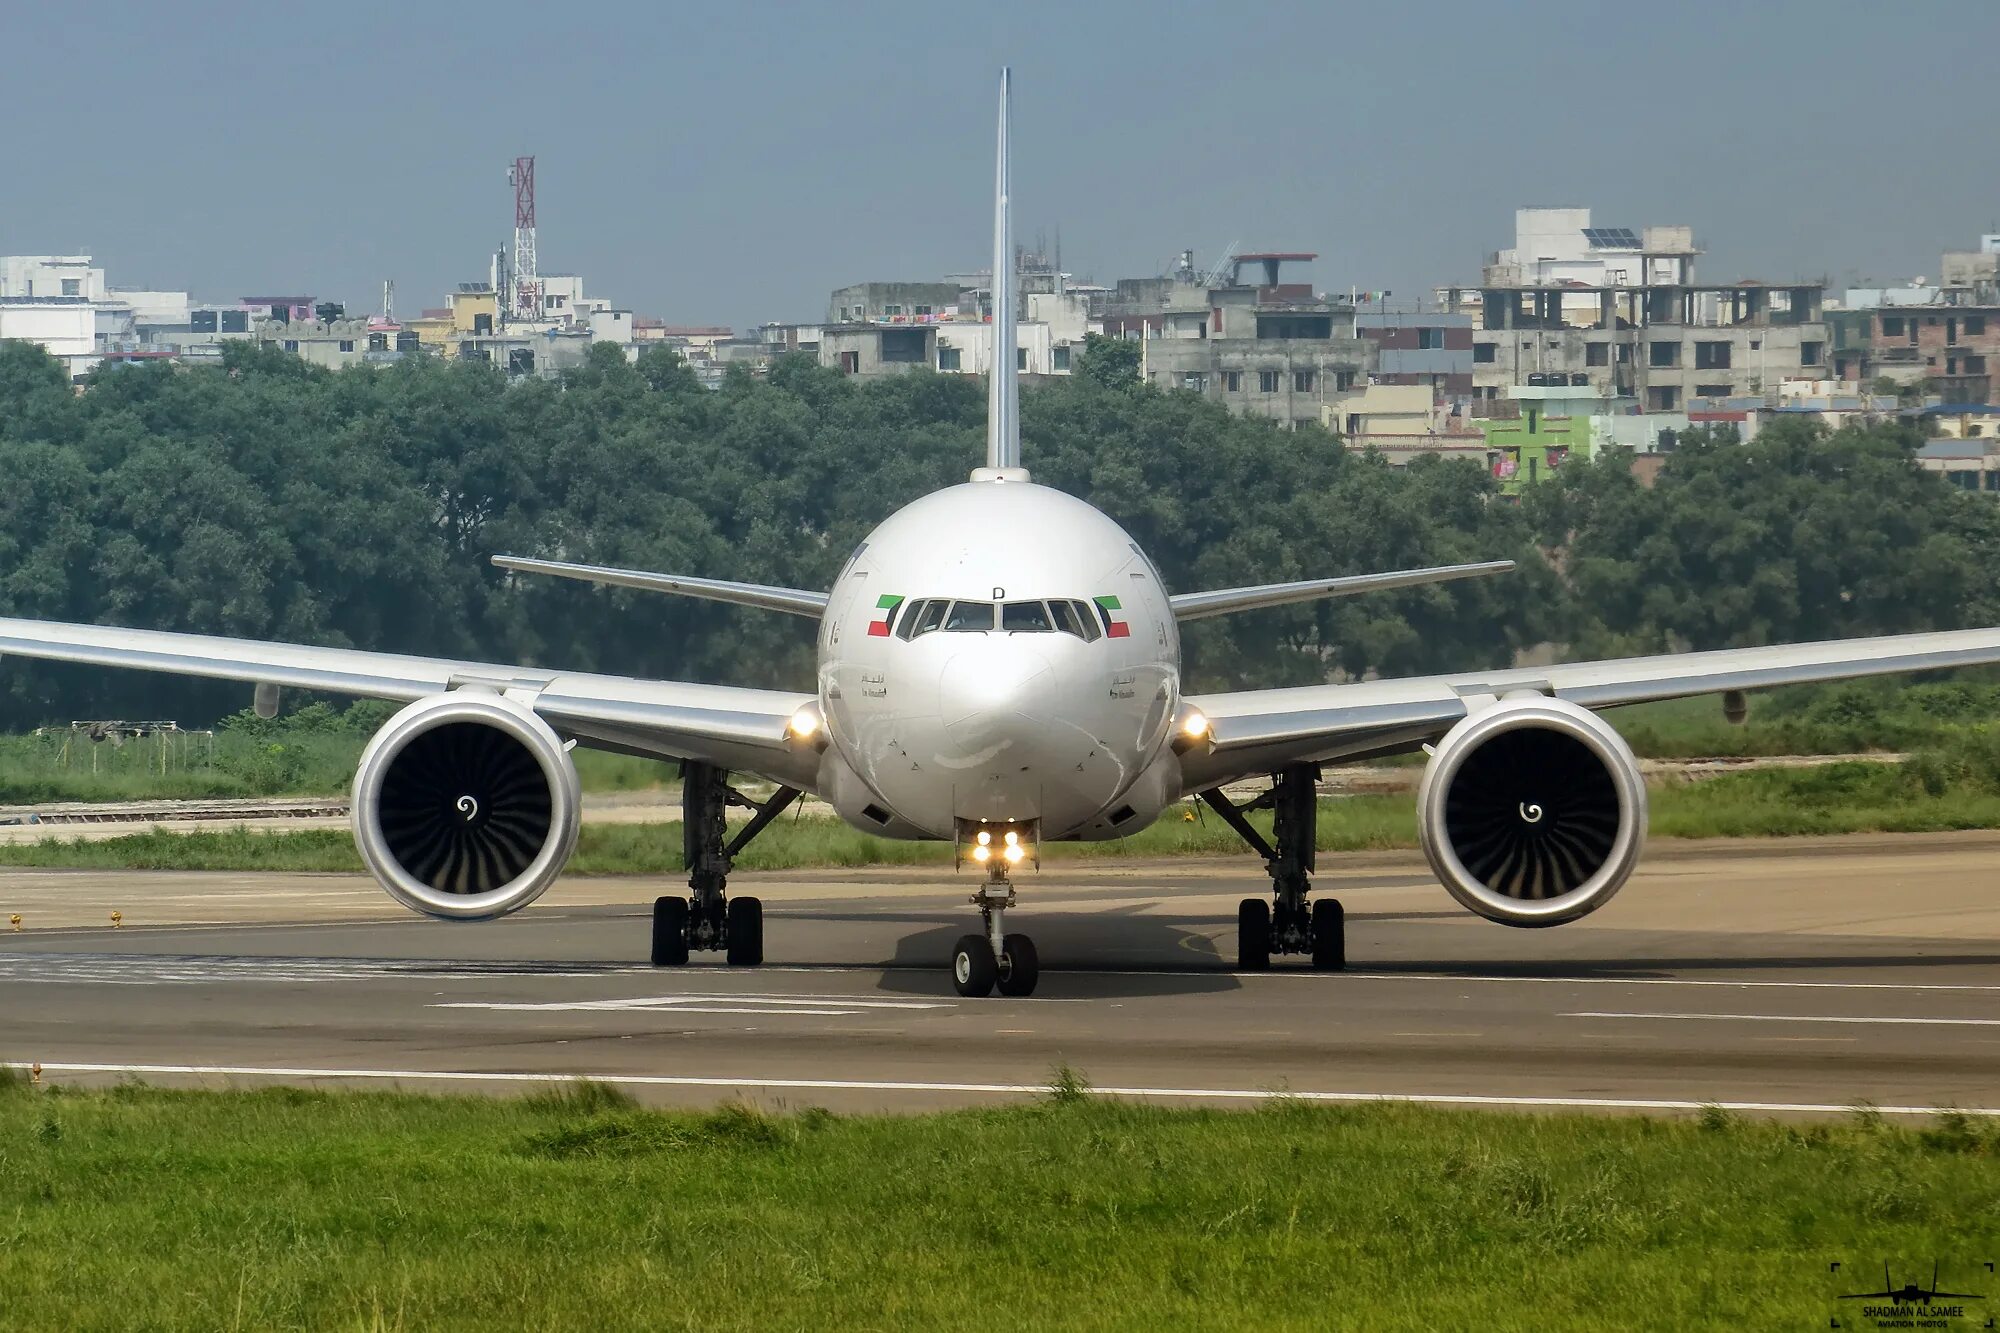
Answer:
(466, 805)
(1532, 811)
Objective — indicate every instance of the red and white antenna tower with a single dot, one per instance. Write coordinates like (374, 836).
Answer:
(527, 284)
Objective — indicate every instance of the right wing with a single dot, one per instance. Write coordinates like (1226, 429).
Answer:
(736, 728)
(796, 601)
(1201, 605)
(1259, 731)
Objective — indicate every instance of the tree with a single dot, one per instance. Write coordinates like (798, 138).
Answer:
(1112, 362)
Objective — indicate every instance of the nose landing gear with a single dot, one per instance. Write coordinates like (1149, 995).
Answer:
(1288, 924)
(981, 962)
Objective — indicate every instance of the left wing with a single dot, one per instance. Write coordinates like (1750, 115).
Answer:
(743, 729)
(1200, 605)
(1258, 731)
(796, 601)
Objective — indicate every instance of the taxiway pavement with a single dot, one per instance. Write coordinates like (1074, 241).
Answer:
(1794, 976)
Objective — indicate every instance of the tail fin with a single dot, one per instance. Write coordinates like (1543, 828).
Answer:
(1003, 408)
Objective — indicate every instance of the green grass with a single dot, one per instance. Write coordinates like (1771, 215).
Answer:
(1846, 717)
(143, 1208)
(312, 752)
(1850, 797)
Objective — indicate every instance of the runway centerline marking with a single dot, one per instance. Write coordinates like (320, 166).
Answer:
(993, 1089)
(1809, 1018)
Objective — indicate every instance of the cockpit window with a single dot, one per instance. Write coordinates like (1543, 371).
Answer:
(969, 617)
(1025, 618)
(922, 617)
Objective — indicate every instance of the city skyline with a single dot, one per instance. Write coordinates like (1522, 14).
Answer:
(712, 169)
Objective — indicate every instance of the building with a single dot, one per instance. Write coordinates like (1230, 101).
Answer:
(31, 276)
(888, 328)
(1945, 351)
(65, 327)
(1429, 347)
(893, 302)
(1273, 349)
(1401, 422)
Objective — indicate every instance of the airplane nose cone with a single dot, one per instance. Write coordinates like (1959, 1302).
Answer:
(985, 691)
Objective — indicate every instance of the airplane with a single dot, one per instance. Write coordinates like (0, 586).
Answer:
(1910, 1293)
(998, 667)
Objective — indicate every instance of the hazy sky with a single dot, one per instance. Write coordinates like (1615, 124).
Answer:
(732, 163)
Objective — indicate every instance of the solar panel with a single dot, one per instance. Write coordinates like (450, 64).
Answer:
(1611, 238)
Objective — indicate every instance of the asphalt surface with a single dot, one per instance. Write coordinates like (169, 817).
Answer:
(1795, 977)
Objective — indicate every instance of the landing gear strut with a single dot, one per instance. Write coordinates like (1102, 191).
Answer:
(981, 962)
(1288, 924)
(708, 918)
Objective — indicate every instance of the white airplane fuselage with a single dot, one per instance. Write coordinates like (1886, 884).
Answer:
(999, 652)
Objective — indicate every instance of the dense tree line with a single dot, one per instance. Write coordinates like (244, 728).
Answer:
(272, 499)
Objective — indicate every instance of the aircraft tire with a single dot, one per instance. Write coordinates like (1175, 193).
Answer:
(1329, 936)
(1020, 969)
(746, 932)
(974, 969)
(670, 932)
(1253, 935)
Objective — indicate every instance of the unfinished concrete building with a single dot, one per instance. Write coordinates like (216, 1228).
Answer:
(1271, 349)
(1660, 344)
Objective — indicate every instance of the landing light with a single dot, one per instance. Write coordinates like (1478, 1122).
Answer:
(1194, 726)
(805, 724)
(982, 853)
(984, 837)
(1013, 838)
(1014, 852)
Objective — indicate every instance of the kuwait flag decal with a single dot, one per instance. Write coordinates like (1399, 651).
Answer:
(885, 611)
(1114, 624)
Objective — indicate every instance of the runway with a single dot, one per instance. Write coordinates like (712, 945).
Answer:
(1789, 976)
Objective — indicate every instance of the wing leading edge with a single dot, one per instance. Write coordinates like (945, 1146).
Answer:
(795, 601)
(738, 728)
(1256, 731)
(1200, 605)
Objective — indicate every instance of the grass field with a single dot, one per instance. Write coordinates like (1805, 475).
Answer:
(312, 752)
(1927, 794)
(144, 1208)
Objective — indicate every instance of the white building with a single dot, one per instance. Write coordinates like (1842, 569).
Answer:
(65, 326)
(1555, 247)
(51, 275)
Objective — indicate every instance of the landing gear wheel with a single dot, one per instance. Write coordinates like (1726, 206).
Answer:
(670, 932)
(974, 969)
(1329, 936)
(1019, 968)
(746, 932)
(1253, 935)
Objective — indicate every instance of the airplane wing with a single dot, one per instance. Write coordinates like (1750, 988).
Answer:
(742, 729)
(1257, 731)
(796, 601)
(1200, 605)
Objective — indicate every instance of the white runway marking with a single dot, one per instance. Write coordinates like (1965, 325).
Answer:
(700, 1003)
(1640, 981)
(156, 969)
(1810, 1018)
(994, 1089)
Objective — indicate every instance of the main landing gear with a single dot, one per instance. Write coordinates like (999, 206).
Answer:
(979, 963)
(1288, 924)
(708, 918)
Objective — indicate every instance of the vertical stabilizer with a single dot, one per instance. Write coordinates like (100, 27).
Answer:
(1003, 409)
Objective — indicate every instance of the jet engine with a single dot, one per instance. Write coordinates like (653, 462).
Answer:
(466, 805)
(1532, 811)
